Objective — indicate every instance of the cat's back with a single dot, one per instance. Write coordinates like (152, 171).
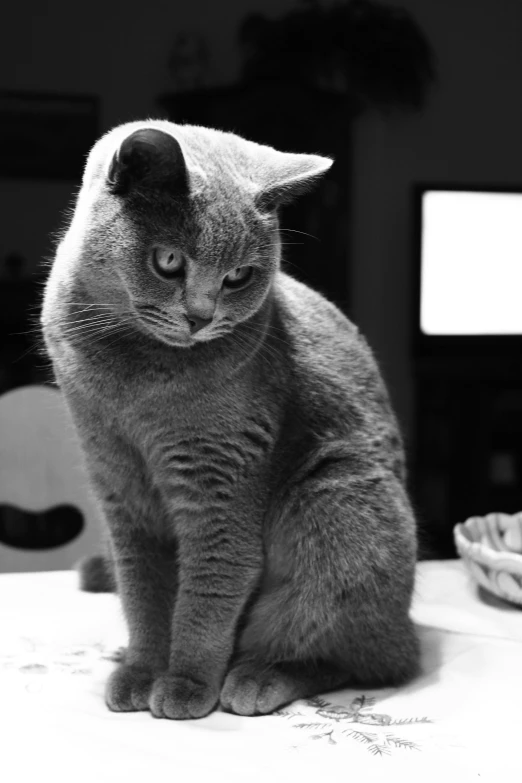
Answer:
(335, 379)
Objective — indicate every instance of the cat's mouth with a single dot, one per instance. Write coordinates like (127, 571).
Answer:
(157, 323)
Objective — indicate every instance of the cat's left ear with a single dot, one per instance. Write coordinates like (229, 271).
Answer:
(149, 158)
(287, 175)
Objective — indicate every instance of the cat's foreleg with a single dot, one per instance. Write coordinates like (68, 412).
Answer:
(145, 568)
(219, 566)
(146, 575)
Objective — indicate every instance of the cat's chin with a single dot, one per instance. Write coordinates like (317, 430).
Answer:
(172, 340)
(181, 341)
(175, 342)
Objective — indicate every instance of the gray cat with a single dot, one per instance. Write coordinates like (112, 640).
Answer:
(238, 434)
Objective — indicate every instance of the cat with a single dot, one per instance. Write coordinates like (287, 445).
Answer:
(238, 435)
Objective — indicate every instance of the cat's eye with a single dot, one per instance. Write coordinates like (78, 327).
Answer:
(238, 277)
(168, 262)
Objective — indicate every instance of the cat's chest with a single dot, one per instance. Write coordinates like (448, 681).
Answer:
(205, 443)
(202, 467)
(196, 443)
(196, 468)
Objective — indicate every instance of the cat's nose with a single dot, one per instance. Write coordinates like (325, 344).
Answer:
(196, 322)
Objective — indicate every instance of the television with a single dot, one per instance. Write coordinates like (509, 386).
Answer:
(468, 269)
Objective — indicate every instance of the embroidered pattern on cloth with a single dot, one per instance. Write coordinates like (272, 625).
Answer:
(33, 657)
(339, 724)
(330, 723)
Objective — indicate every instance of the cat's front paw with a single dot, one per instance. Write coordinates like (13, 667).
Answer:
(128, 688)
(179, 697)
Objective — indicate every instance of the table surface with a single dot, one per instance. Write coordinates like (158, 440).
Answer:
(461, 717)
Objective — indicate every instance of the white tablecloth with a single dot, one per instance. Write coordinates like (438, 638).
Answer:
(461, 719)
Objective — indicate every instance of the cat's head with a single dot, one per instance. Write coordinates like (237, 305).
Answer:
(177, 226)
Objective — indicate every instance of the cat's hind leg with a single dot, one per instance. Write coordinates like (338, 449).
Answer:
(254, 688)
(96, 574)
(335, 606)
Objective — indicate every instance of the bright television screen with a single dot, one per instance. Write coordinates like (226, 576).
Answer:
(471, 263)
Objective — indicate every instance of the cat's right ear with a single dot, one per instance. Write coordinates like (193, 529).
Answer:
(148, 159)
(287, 175)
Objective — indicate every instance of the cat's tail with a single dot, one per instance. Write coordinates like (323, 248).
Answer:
(96, 574)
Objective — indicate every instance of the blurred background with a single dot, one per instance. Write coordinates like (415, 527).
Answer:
(416, 100)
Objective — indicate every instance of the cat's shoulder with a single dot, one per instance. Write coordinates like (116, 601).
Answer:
(324, 343)
(309, 313)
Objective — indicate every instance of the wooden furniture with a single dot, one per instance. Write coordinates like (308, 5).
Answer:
(48, 519)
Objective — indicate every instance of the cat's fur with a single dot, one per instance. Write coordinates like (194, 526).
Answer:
(252, 478)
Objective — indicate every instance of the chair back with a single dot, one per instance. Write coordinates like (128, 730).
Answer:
(42, 468)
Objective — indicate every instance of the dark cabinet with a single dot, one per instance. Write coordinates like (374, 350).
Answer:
(468, 454)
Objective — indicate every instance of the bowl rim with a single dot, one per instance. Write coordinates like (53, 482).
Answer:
(478, 549)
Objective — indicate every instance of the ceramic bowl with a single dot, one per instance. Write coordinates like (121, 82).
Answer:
(491, 548)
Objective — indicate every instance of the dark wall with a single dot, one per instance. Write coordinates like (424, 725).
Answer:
(118, 50)
(471, 129)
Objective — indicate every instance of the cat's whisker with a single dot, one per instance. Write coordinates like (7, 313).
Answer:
(273, 356)
(272, 328)
(91, 317)
(156, 319)
(294, 231)
(105, 317)
(90, 327)
(284, 262)
(109, 330)
(275, 245)
(26, 333)
(86, 305)
(31, 349)
(267, 328)
(86, 308)
(262, 344)
(96, 316)
(245, 347)
(97, 329)
(269, 349)
(34, 308)
(120, 333)
(91, 304)
(89, 311)
(126, 330)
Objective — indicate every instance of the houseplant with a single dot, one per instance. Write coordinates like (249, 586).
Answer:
(374, 52)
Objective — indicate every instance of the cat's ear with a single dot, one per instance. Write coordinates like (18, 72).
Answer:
(148, 158)
(287, 175)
